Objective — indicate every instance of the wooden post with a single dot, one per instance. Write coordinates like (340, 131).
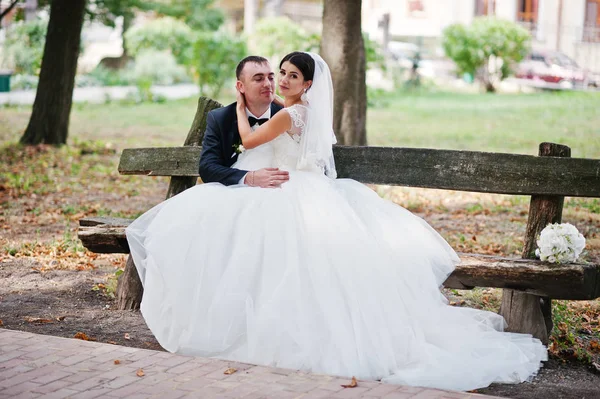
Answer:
(526, 313)
(129, 288)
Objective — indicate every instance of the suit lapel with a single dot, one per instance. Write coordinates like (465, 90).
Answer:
(234, 139)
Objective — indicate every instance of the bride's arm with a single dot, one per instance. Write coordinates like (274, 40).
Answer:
(278, 124)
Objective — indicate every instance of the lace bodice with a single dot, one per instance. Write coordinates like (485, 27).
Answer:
(286, 147)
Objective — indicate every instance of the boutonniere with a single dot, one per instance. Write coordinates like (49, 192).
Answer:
(238, 148)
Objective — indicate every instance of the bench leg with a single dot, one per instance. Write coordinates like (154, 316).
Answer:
(129, 288)
(526, 313)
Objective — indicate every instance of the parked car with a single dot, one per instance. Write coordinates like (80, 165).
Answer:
(554, 67)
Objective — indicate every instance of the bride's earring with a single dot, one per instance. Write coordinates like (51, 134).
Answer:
(304, 97)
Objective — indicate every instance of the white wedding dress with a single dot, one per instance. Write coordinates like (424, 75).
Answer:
(320, 275)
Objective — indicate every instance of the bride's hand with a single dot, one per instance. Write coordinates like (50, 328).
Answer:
(241, 100)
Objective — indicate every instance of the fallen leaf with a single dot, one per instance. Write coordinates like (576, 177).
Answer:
(84, 337)
(229, 371)
(353, 383)
(595, 346)
(1, 323)
(60, 318)
(111, 342)
(126, 336)
(140, 373)
(117, 361)
(38, 320)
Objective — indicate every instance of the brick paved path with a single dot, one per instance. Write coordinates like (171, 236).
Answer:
(33, 365)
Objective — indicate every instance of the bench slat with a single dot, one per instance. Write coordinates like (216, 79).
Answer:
(573, 281)
(416, 167)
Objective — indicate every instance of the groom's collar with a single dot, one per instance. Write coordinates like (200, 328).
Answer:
(266, 115)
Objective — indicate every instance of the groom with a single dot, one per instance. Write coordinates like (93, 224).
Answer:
(255, 80)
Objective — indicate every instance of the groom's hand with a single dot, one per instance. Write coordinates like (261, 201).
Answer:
(267, 178)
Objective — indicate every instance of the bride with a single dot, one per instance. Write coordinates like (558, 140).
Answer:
(321, 274)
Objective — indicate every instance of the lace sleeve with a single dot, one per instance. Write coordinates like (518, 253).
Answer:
(298, 114)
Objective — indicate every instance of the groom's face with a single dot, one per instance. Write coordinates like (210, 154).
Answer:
(257, 83)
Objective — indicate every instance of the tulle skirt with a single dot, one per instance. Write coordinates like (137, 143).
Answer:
(319, 275)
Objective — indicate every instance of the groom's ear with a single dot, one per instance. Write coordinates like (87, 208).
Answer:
(240, 86)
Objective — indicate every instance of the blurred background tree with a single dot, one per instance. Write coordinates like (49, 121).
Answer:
(487, 49)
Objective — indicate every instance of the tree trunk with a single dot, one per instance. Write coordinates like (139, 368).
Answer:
(129, 288)
(527, 313)
(49, 122)
(250, 14)
(342, 47)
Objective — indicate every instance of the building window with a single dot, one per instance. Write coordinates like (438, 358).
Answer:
(527, 14)
(485, 7)
(591, 25)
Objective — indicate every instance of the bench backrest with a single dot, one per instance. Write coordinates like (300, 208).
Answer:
(415, 167)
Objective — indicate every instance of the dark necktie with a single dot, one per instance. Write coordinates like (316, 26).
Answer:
(253, 121)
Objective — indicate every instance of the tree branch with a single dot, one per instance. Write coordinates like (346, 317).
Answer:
(9, 9)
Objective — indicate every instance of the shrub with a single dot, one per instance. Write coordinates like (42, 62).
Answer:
(487, 49)
(277, 36)
(24, 46)
(216, 55)
(158, 67)
(163, 34)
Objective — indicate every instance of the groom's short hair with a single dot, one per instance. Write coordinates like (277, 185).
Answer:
(251, 58)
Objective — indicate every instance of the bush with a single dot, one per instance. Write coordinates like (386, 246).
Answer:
(277, 36)
(110, 77)
(24, 46)
(488, 49)
(158, 67)
(23, 82)
(216, 55)
(163, 34)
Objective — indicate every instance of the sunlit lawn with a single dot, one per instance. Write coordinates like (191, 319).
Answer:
(514, 123)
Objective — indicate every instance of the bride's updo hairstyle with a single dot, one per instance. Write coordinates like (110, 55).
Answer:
(303, 61)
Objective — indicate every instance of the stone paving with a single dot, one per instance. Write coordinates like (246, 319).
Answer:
(33, 366)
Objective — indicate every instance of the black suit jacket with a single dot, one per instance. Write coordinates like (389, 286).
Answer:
(218, 153)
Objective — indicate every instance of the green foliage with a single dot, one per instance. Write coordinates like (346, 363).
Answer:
(216, 55)
(486, 45)
(160, 67)
(277, 36)
(111, 77)
(23, 82)
(24, 46)
(163, 34)
(373, 54)
(197, 14)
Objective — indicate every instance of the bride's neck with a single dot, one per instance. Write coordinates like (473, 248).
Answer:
(288, 102)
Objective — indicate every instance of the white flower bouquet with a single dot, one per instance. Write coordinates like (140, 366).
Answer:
(560, 243)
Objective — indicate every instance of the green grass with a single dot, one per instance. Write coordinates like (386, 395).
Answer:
(514, 123)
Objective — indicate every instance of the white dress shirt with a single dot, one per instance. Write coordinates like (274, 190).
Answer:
(267, 115)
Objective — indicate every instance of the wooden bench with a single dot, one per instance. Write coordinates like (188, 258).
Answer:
(528, 284)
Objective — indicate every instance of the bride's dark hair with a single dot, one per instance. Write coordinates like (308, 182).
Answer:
(303, 61)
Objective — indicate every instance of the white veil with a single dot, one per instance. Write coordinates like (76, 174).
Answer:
(316, 150)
